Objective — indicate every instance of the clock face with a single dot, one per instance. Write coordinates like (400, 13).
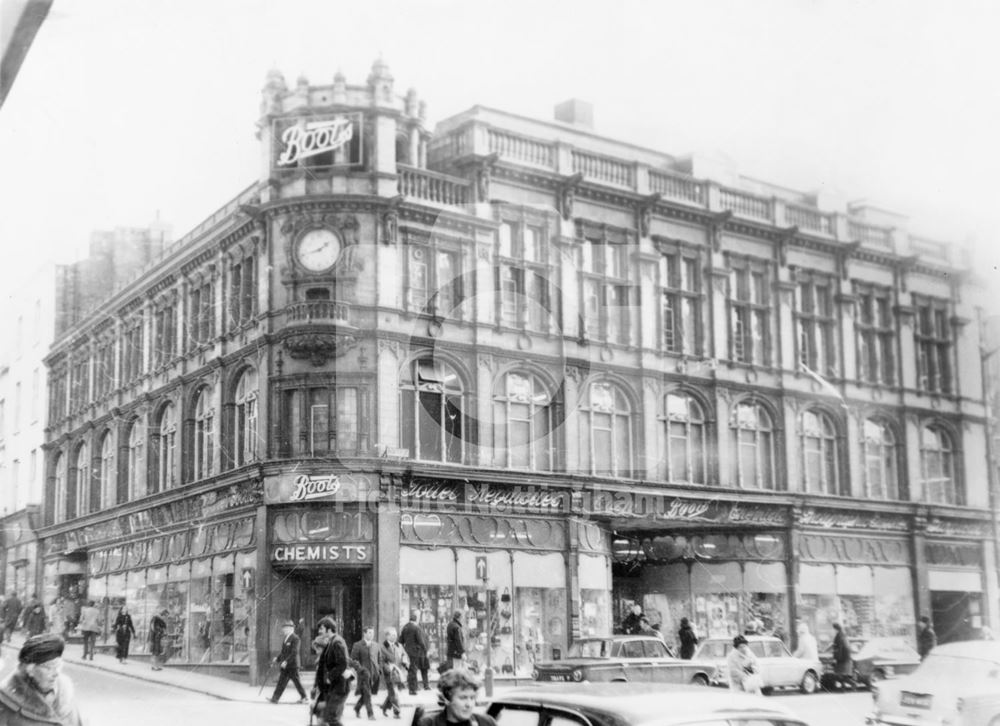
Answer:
(318, 249)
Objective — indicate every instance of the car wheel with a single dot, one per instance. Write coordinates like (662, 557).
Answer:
(700, 679)
(809, 683)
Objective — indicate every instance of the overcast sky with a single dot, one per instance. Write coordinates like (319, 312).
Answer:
(128, 108)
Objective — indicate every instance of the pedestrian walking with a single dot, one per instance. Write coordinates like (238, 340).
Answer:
(288, 664)
(58, 611)
(11, 614)
(807, 648)
(124, 632)
(90, 626)
(455, 641)
(365, 659)
(332, 684)
(157, 631)
(926, 637)
(457, 692)
(688, 639)
(843, 664)
(744, 672)
(393, 660)
(35, 620)
(37, 692)
(414, 642)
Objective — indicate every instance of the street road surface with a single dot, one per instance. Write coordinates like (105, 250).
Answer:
(107, 699)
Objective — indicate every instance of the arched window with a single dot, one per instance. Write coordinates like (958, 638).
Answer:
(606, 431)
(878, 451)
(136, 484)
(753, 443)
(937, 466)
(684, 431)
(432, 409)
(245, 429)
(165, 448)
(81, 483)
(204, 432)
(818, 443)
(107, 473)
(61, 494)
(523, 414)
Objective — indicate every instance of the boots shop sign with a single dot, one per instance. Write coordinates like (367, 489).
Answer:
(318, 142)
(319, 487)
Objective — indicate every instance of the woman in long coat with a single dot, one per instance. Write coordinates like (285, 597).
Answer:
(124, 632)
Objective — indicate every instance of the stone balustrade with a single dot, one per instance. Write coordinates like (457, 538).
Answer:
(434, 187)
(318, 312)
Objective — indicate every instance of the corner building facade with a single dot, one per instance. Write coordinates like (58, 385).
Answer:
(403, 361)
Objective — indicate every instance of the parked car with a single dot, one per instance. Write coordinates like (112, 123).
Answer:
(627, 704)
(623, 658)
(875, 659)
(956, 684)
(778, 667)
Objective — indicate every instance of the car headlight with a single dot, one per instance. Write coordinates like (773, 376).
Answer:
(577, 675)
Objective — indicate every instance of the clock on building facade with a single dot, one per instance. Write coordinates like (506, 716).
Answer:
(318, 249)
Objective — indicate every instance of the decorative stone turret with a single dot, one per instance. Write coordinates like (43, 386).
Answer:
(274, 89)
(339, 88)
(380, 81)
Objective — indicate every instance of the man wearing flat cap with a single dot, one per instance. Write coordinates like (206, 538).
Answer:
(288, 662)
(37, 692)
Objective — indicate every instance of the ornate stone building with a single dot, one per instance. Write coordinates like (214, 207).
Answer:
(592, 373)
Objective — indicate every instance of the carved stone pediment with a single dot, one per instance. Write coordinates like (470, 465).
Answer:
(318, 348)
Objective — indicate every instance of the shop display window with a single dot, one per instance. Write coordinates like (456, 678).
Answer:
(135, 597)
(114, 601)
(221, 625)
(595, 612)
(174, 597)
(541, 624)
(819, 612)
(435, 606)
(894, 614)
(201, 610)
(764, 613)
(717, 614)
(242, 606)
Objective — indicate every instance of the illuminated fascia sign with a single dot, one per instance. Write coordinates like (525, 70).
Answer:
(308, 139)
(342, 553)
(314, 487)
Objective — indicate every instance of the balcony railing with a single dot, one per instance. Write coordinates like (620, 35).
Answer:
(870, 235)
(674, 186)
(604, 168)
(929, 248)
(520, 148)
(434, 187)
(744, 204)
(810, 219)
(318, 312)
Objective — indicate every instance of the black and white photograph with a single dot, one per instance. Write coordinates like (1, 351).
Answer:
(499, 364)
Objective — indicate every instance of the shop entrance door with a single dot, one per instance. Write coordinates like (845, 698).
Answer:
(338, 596)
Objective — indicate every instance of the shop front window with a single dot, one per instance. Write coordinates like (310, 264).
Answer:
(201, 605)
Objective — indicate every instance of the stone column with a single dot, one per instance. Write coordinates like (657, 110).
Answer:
(387, 575)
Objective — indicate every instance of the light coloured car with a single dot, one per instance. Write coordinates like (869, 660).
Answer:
(778, 667)
(957, 684)
(631, 658)
(627, 704)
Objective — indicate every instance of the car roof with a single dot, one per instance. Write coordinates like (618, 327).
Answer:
(750, 639)
(639, 703)
(979, 649)
(618, 637)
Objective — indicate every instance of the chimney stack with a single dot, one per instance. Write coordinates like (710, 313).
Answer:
(576, 112)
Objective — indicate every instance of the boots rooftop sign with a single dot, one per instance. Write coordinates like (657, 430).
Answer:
(311, 139)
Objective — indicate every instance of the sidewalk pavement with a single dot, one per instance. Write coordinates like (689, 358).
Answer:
(198, 681)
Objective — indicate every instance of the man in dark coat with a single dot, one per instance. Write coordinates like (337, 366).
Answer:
(11, 612)
(455, 641)
(331, 686)
(688, 639)
(926, 637)
(632, 624)
(843, 664)
(35, 620)
(288, 663)
(415, 644)
(365, 659)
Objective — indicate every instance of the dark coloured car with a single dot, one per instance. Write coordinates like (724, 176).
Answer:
(875, 659)
(632, 658)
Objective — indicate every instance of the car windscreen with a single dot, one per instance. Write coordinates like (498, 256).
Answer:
(956, 669)
(590, 649)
